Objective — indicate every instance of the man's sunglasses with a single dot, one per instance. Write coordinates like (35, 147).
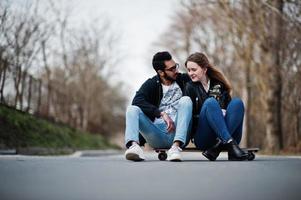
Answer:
(173, 68)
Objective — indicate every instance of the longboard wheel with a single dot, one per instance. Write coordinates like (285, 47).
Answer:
(251, 156)
(162, 156)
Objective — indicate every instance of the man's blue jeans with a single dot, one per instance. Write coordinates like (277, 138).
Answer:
(212, 124)
(156, 134)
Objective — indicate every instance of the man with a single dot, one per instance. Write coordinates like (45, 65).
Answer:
(159, 112)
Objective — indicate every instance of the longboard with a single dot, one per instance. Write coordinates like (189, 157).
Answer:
(162, 155)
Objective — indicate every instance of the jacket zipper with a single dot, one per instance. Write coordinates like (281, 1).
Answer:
(159, 95)
(196, 104)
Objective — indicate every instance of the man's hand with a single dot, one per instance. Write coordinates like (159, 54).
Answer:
(170, 124)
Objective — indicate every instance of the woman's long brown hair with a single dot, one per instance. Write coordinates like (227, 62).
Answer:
(212, 72)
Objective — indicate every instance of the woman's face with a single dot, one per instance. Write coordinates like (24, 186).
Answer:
(195, 72)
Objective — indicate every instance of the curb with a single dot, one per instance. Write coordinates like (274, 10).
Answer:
(96, 153)
(8, 152)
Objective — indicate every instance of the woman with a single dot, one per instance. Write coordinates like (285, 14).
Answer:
(218, 119)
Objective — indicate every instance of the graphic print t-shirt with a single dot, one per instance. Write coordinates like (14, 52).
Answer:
(170, 100)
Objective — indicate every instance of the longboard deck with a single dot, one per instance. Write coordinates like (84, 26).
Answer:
(193, 149)
(162, 155)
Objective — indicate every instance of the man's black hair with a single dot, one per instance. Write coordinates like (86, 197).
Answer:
(159, 58)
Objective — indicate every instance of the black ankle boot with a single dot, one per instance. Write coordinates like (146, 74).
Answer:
(213, 152)
(235, 153)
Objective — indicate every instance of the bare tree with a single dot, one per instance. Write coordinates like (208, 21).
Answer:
(22, 32)
(255, 43)
(74, 64)
(82, 79)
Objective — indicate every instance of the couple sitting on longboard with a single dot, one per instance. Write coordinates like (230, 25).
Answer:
(171, 108)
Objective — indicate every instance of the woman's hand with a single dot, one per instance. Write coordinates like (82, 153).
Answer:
(170, 124)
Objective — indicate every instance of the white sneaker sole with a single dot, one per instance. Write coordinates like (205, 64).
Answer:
(133, 157)
(175, 159)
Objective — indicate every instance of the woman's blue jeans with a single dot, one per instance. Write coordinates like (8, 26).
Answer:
(213, 125)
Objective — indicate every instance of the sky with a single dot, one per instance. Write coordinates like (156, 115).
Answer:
(140, 22)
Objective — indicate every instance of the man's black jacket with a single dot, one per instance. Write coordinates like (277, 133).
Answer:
(149, 96)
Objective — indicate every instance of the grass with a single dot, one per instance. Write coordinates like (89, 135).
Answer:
(21, 130)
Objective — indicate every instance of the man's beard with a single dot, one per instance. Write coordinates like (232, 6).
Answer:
(168, 77)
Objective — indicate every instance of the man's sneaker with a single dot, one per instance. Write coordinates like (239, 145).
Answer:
(134, 153)
(173, 154)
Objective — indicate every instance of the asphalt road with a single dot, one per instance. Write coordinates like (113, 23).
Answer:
(112, 177)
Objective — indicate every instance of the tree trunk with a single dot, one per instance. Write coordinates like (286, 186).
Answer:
(2, 100)
(17, 84)
(39, 98)
(29, 94)
(273, 127)
(248, 107)
(49, 93)
(1, 69)
(23, 84)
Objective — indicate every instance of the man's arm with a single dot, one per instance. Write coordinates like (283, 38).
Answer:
(143, 97)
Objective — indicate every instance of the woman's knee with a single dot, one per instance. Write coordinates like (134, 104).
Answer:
(237, 102)
(210, 102)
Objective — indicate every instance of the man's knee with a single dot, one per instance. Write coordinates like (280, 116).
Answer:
(133, 109)
(185, 101)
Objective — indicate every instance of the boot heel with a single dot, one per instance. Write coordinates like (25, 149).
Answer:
(213, 152)
(234, 158)
(235, 153)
